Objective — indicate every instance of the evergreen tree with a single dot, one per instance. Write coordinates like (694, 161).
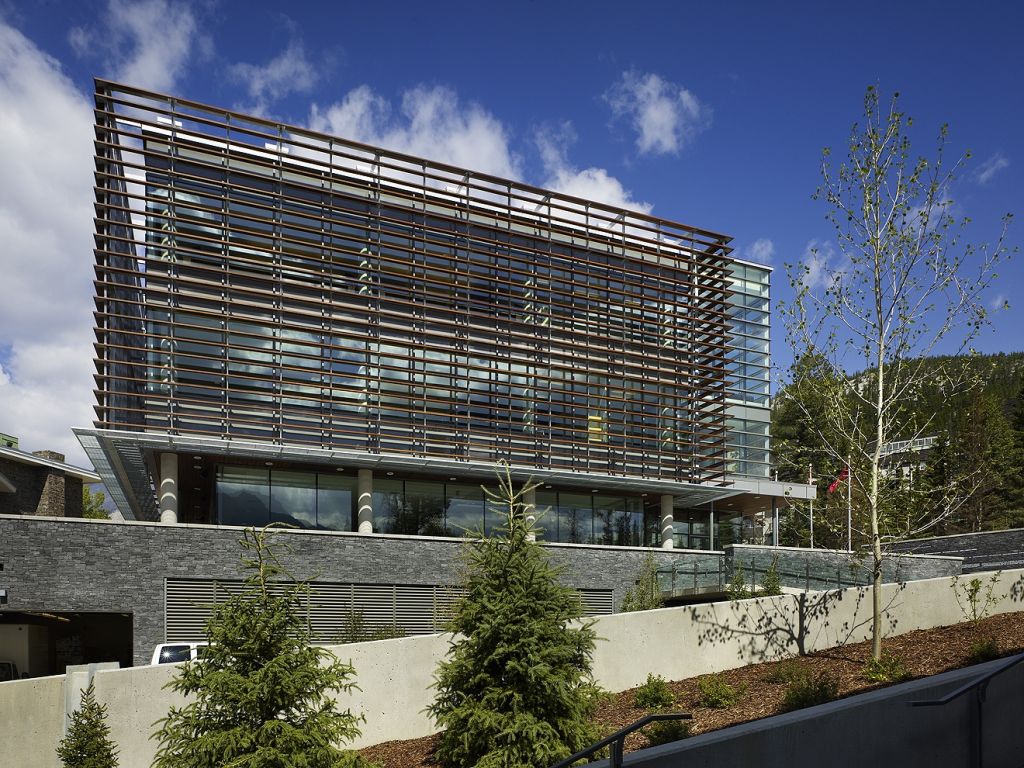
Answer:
(87, 743)
(261, 695)
(515, 688)
(645, 594)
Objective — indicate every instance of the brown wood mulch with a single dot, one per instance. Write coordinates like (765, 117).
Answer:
(923, 653)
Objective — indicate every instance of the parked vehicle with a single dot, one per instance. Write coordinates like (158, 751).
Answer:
(173, 653)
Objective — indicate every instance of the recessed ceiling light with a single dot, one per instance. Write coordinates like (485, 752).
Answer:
(197, 458)
(452, 478)
(339, 469)
(547, 486)
(390, 474)
(269, 463)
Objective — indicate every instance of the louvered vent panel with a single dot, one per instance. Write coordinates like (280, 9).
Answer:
(332, 609)
(597, 602)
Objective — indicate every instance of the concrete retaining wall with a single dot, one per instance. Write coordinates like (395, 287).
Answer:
(395, 675)
(876, 728)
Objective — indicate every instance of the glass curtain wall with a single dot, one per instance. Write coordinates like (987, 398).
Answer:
(325, 501)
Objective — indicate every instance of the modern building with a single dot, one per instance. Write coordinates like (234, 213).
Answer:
(295, 327)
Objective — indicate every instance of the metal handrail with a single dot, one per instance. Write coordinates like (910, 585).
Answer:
(619, 737)
(982, 681)
(980, 686)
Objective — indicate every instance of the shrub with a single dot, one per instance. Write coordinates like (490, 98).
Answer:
(654, 694)
(667, 731)
(355, 629)
(985, 649)
(807, 690)
(976, 599)
(771, 584)
(737, 588)
(784, 672)
(645, 594)
(716, 693)
(887, 669)
(515, 688)
(87, 743)
(261, 694)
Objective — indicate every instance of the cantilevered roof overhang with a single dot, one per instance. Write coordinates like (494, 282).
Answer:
(122, 459)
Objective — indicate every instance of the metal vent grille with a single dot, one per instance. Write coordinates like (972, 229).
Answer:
(411, 609)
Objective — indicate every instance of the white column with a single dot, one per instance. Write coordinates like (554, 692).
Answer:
(775, 522)
(169, 488)
(711, 526)
(666, 522)
(364, 489)
(530, 512)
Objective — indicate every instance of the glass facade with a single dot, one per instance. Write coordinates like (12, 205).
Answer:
(748, 415)
(272, 284)
(257, 496)
(416, 507)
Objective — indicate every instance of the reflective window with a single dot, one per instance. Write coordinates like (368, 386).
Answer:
(243, 496)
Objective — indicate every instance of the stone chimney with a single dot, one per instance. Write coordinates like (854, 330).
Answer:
(52, 498)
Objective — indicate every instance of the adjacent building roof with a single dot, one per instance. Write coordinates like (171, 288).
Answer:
(23, 457)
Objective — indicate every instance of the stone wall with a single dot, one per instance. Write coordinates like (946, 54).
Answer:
(73, 565)
(831, 569)
(986, 551)
(40, 490)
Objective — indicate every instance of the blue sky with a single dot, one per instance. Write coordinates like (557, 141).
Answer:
(713, 116)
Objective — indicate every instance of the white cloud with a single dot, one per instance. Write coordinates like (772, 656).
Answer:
(761, 250)
(589, 183)
(665, 116)
(290, 71)
(432, 123)
(46, 232)
(999, 302)
(991, 167)
(148, 44)
(820, 266)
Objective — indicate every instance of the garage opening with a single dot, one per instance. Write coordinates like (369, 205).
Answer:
(43, 643)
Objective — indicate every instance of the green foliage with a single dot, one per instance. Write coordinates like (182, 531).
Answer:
(808, 690)
(667, 731)
(87, 743)
(737, 588)
(355, 629)
(985, 649)
(645, 594)
(654, 694)
(783, 672)
(261, 696)
(92, 504)
(716, 693)
(976, 599)
(771, 584)
(887, 669)
(515, 688)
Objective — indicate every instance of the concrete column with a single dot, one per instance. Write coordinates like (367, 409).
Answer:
(530, 511)
(364, 488)
(169, 488)
(711, 526)
(775, 522)
(667, 518)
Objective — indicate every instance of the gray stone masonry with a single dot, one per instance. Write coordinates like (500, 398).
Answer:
(111, 566)
(829, 569)
(985, 551)
(40, 490)
(70, 565)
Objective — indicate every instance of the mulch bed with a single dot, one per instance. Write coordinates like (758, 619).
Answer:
(923, 653)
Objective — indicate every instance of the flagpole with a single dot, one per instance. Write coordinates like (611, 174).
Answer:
(810, 481)
(849, 506)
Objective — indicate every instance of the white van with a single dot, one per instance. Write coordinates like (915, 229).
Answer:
(173, 653)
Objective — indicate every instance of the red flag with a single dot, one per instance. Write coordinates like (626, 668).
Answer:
(842, 476)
